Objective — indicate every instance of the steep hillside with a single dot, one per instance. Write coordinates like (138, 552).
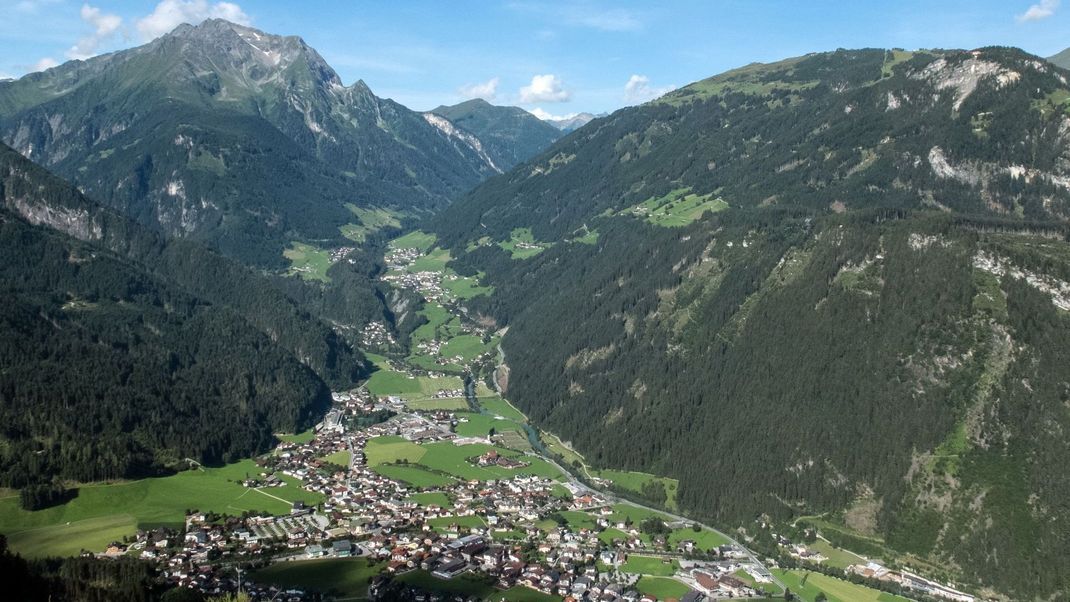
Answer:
(225, 134)
(836, 285)
(1062, 59)
(509, 135)
(41, 198)
(113, 371)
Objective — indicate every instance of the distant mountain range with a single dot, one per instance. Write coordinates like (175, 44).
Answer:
(575, 122)
(508, 135)
(244, 140)
(1062, 59)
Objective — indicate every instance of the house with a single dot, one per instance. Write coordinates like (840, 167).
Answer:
(450, 569)
(342, 548)
(314, 550)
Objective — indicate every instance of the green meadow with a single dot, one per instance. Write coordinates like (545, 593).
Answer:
(661, 588)
(346, 577)
(522, 244)
(649, 565)
(104, 513)
(678, 208)
(308, 262)
(807, 586)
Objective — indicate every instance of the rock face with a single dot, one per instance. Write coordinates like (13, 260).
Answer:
(221, 131)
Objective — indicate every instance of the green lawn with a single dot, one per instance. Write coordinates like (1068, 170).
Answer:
(466, 585)
(467, 347)
(636, 514)
(579, 520)
(431, 405)
(347, 577)
(662, 588)
(414, 475)
(523, 594)
(838, 558)
(442, 523)
(522, 244)
(308, 262)
(143, 503)
(304, 437)
(677, 208)
(704, 539)
(479, 425)
(612, 533)
(636, 481)
(649, 565)
(385, 381)
(340, 458)
(414, 240)
(372, 219)
(500, 407)
(464, 287)
(453, 459)
(432, 498)
(807, 585)
(768, 588)
(433, 261)
(387, 450)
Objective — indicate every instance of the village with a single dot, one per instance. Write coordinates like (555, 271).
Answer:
(423, 498)
(377, 519)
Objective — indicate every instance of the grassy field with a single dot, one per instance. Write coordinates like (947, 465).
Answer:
(838, 558)
(522, 244)
(555, 445)
(442, 523)
(431, 405)
(807, 585)
(589, 237)
(579, 520)
(633, 513)
(465, 585)
(523, 594)
(662, 588)
(308, 262)
(649, 565)
(612, 533)
(479, 425)
(304, 437)
(414, 240)
(517, 440)
(678, 208)
(103, 513)
(464, 287)
(704, 539)
(453, 459)
(414, 475)
(431, 498)
(499, 407)
(387, 382)
(635, 481)
(768, 588)
(340, 458)
(466, 346)
(347, 577)
(371, 219)
(387, 450)
(434, 261)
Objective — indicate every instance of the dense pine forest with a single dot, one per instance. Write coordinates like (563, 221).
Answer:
(869, 325)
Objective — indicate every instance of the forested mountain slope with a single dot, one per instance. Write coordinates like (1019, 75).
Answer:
(112, 369)
(509, 135)
(225, 134)
(833, 285)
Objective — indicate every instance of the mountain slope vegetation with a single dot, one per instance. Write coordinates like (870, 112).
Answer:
(509, 135)
(113, 371)
(835, 285)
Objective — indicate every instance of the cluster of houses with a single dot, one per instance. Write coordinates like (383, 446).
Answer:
(376, 335)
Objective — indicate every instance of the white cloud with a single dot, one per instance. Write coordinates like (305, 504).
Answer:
(1039, 11)
(547, 116)
(486, 90)
(638, 89)
(104, 26)
(45, 63)
(169, 14)
(544, 88)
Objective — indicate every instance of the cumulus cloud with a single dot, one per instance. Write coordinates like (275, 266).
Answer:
(544, 88)
(486, 90)
(548, 116)
(104, 26)
(638, 89)
(169, 14)
(1039, 11)
(45, 63)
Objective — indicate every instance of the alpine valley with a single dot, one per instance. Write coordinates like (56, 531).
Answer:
(800, 330)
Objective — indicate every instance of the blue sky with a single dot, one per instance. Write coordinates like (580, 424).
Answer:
(549, 57)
